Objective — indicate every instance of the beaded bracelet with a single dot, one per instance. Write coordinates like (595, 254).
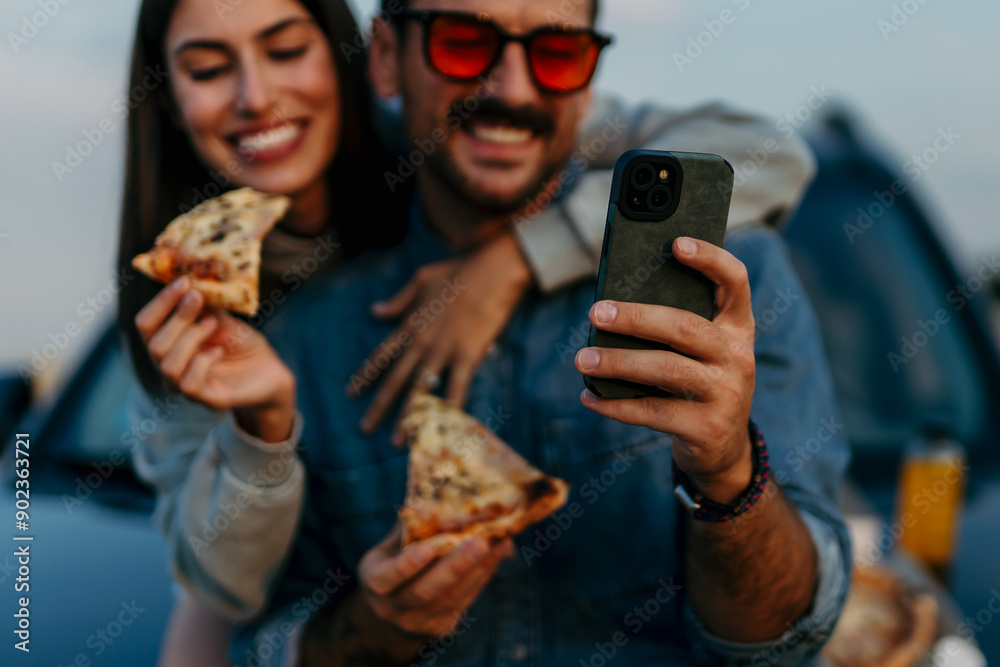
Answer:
(703, 509)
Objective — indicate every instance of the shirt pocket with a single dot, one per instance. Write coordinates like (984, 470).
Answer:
(617, 536)
(360, 504)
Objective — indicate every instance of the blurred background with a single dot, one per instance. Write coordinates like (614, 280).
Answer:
(939, 70)
(886, 91)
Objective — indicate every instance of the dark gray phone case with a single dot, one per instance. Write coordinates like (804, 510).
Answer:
(637, 264)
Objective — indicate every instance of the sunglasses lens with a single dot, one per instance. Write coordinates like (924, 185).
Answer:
(460, 47)
(564, 62)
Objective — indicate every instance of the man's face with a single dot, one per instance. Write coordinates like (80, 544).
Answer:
(499, 139)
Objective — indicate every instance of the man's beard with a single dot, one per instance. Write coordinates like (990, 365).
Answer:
(489, 203)
(492, 110)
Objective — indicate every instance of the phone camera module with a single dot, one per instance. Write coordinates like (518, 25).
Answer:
(642, 176)
(659, 199)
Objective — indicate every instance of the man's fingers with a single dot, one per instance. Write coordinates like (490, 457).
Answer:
(397, 304)
(383, 569)
(683, 331)
(149, 320)
(435, 585)
(671, 371)
(667, 415)
(186, 312)
(186, 346)
(465, 592)
(732, 298)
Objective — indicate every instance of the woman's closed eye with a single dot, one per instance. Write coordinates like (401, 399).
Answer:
(288, 54)
(209, 73)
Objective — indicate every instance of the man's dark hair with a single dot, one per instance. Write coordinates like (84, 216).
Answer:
(391, 7)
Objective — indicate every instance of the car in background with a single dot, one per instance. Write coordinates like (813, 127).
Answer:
(97, 560)
(910, 339)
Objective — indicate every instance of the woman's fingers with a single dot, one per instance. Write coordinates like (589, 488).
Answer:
(194, 381)
(149, 320)
(186, 312)
(397, 304)
(186, 346)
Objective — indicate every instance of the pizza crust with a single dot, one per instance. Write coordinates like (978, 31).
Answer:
(883, 624)
(464, 482)
(217, 245)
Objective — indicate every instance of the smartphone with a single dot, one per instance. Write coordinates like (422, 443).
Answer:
(657, 196)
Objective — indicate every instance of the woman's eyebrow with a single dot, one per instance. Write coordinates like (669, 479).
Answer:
(281, 25)
(221, 46)
(201, 44)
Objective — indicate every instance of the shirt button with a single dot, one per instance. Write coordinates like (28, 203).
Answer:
(493, 351)
(517, 652)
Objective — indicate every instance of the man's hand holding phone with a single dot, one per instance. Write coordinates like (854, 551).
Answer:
(710, 375)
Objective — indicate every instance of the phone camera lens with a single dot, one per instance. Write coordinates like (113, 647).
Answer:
(659, 199)
(642, 176)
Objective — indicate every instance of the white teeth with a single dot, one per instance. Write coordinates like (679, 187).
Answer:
(269, 139)
(500, 134)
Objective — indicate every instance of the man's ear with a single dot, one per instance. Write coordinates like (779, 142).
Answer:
(383, 59)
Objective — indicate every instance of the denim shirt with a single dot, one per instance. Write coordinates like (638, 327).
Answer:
(601, 578)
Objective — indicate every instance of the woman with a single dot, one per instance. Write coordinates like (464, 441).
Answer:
(257, 95)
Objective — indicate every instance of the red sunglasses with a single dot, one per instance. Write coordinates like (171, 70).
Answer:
(463, 47)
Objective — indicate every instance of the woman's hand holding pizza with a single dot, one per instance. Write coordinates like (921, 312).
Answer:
(711, 376)
(219, 361)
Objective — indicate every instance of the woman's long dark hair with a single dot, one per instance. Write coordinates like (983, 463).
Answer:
(164, 177)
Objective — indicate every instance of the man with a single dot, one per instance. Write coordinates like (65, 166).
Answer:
(628, 572)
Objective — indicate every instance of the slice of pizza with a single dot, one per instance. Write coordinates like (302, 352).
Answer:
(217, 244)
(884, 624)
(464, 482)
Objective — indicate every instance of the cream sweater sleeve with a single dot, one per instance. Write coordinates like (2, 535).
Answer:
(227, 503)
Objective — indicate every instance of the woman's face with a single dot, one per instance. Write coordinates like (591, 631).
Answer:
(256, 88)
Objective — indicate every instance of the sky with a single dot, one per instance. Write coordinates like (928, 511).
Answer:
(910, 69)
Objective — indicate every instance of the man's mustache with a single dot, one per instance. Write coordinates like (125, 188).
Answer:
(494, 111)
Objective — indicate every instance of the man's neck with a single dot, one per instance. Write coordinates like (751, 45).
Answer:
(458, 221)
